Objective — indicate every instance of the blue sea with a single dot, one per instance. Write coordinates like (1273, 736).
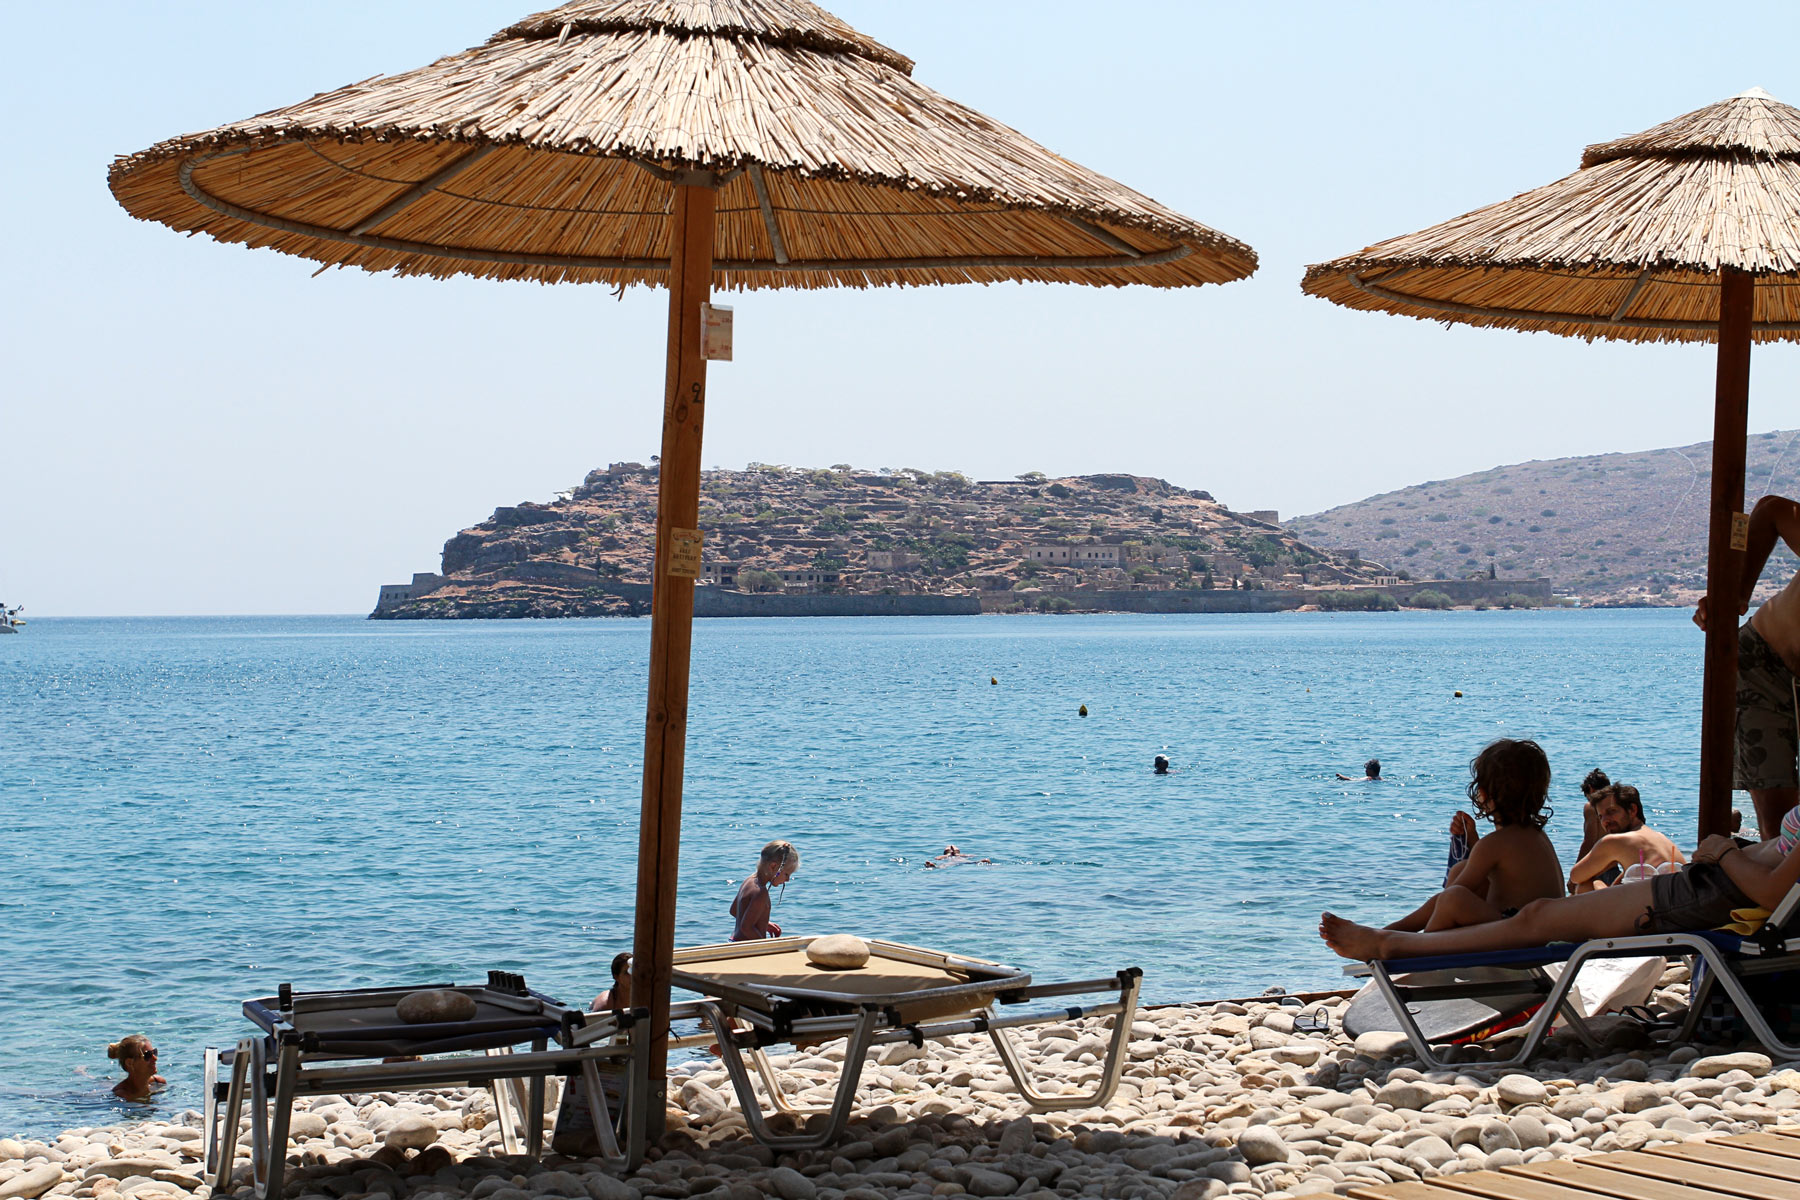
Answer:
(197, 810)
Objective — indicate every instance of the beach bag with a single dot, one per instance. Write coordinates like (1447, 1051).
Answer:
(1612, 984)
(1777, 997)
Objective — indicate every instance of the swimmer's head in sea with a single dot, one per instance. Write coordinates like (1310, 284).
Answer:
(139, 1059)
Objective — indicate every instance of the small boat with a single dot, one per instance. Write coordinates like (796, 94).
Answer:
(10, 620)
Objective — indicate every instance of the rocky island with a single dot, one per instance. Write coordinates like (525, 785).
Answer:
(841, 540)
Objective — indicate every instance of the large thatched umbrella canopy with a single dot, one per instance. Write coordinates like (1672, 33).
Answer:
(1689, 231)
(693, 143)
(547, 154)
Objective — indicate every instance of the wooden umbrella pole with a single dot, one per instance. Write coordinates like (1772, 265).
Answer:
(671, 627)
(1725, 551)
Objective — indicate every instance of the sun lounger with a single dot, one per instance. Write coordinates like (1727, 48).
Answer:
(757, 994)
(1722, 961)
(1773, 949)
(333, 1042)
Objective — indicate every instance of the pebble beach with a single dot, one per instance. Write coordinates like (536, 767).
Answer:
(1218, 1099)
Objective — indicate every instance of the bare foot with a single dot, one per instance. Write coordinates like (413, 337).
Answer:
(1349, 939)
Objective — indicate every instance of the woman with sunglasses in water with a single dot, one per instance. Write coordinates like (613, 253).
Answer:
(138, 1057)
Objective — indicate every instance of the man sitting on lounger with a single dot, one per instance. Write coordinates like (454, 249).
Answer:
(1722, 878)
(1510, 867)
(1591, 830)
(1627, 843)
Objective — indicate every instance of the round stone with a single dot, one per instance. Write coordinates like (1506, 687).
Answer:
(432, 1006)
(411, 1133)
(1515, 1090)
(838, 952)
(1259, 1145)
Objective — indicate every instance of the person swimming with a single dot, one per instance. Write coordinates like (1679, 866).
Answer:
(1371, 773)
(619, 994)
(953, 857)
(138, 1057)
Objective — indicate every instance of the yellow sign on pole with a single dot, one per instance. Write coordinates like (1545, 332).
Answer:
(684, 553)
(715, 332)
(1740, 531)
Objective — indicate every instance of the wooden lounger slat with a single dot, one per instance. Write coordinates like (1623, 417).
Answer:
(1700, 1174)
(1751, 1166)
(1404, 1191)
(1493, 1185)
(1595, 1181)
(1737, 1158)
(1766, 1143)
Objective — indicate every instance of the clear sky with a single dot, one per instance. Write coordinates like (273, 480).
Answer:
(187, 427)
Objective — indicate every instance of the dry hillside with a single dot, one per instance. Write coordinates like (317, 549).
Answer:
(1611, 528)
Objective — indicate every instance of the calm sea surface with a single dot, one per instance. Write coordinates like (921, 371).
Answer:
(193, 811)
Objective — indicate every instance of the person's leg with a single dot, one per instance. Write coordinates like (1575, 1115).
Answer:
(1609, 912)
(1767, 758)
(1419, 917)
(1458, 906)
(1772, 804)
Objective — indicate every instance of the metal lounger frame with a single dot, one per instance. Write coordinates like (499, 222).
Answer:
(1774, 949)
(250, 1084)
(1724, 970)
(873, 1025)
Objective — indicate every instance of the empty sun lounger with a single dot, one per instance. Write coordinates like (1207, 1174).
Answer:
(332, 1042)
(764, 993)
(1728, 959)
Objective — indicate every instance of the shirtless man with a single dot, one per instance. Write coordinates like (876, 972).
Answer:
(775, 866)
(1510, 867)
(1722, 877)
(1591, 829)
(1371, 773)
(1627, 842)
(1768, 747)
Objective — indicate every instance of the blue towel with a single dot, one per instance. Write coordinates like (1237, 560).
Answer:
(1459, 851)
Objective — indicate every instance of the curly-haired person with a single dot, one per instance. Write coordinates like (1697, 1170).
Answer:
(1509, 782)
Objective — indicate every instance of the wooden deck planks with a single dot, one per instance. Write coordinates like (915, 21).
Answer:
(1775, 1143)
(1734, 1157)
(1403, 1191)
(1576, 1173)
(1753, 1166)
(1700, 1174)
(1493, 1185)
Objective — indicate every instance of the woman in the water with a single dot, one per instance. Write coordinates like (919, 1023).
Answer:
(138, 1057)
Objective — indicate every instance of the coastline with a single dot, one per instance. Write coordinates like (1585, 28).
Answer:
(517, 600)
(1219, 1098)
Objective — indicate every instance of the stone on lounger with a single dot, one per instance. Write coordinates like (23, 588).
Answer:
(431, 1006)
(840, 951)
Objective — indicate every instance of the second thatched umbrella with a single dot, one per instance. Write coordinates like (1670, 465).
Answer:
(1687, 232)
(686, 143)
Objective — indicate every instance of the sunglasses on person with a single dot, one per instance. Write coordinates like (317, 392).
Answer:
(150, 1053)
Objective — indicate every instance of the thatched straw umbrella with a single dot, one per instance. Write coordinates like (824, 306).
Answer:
(1687, 232)
(686, 143)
